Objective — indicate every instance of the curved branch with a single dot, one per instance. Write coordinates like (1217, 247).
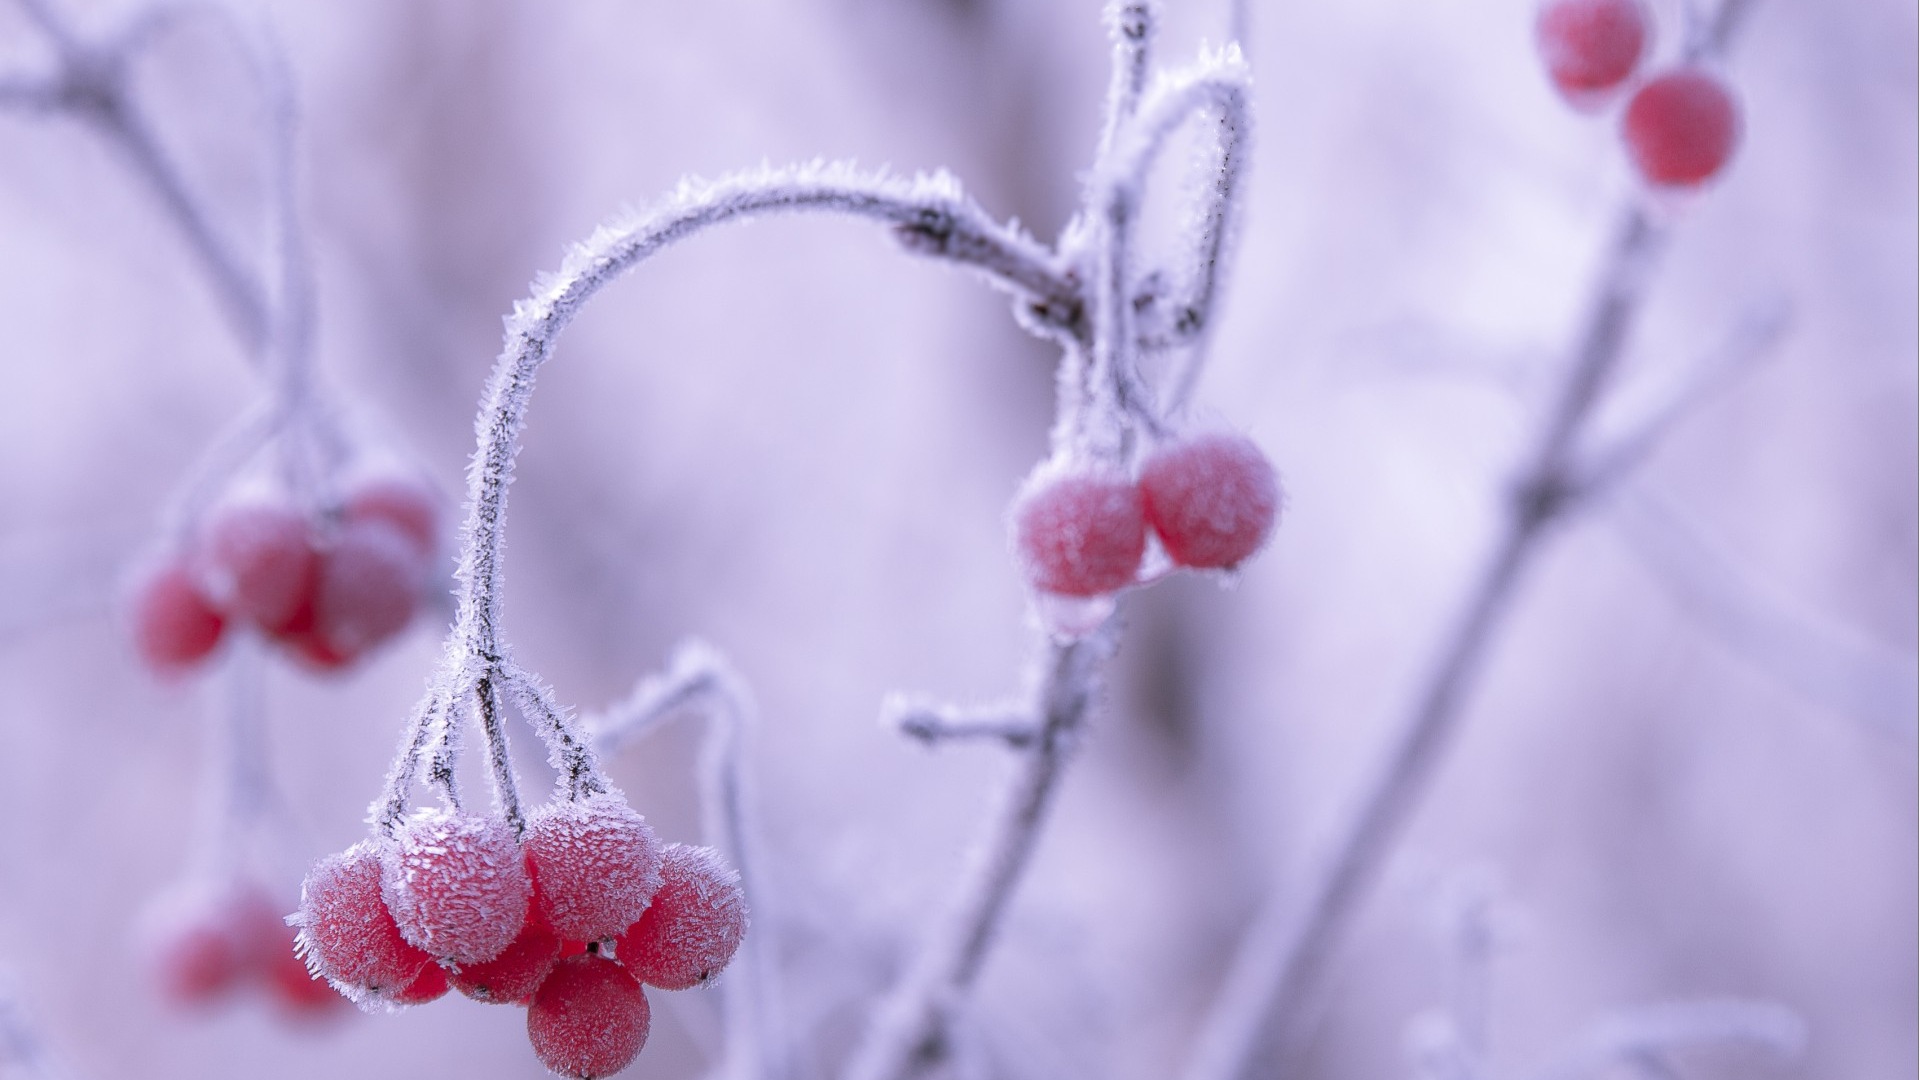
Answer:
(931, 213)
(1219, 81)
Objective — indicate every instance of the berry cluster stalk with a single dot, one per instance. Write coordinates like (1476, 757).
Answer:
(1259, 1018)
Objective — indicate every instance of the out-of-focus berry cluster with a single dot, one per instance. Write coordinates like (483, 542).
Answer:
(325, 585)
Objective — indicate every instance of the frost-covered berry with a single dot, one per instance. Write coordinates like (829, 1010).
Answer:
(595, 865)
(589, 1018)
(408, 505)
(694, 925)
(1591, 46)
(174, 624)
(367, 588)
(260, 562)
(513, 976)
(1681, 128)
(1211, 499)
(456, 884)
(1079, 533)
(296, 991)
(205, 939)
(347, 935)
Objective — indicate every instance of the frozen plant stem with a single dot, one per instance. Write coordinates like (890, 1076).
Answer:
(1259, 1018)
(912, 1033)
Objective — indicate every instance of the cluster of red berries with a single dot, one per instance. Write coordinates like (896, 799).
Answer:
(1680, 126)
(1210, 500)
(326, 587)
(206, 941)
(568, 921)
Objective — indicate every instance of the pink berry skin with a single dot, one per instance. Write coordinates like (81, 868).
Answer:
(1211, 499)
(175, 626)
(367, 589)
(1079, 534)
(589, 1019)
(595, 864)
(513, 976)
(1591, 46)
(347, 935)
(408, 505)
(694, 925)
(1681, 128)
(261, 562)
(430, 985)
(457, 885)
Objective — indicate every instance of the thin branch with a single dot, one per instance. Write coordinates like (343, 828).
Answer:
(506, 787)
(1257, 1019)
(910, 1035)
(1753, 339)
(1218, 81)
(1132, 25)
(935, 722)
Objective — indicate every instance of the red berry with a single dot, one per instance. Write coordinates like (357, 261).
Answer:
(595, 865)
(1681, 127)
(408, 505)
(513, 976)
(589, 1019)
(1211, 499)
(347, 935)
(694, 925)
(174, 624)
(295, 989)
(457, 885)
(1079, 533)
(206, 938)
(1591, 46)
(369, 584)
(261, 562)
(430, 985)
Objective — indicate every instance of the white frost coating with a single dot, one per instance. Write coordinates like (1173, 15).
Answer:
(456, 885)
(346, 934)
(694, 926)
(596, 863)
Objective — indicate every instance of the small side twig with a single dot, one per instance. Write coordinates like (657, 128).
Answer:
(933, 722)
(910, 1035)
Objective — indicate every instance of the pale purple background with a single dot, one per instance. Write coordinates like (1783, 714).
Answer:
(797, 443)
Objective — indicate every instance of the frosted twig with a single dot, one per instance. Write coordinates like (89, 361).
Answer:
(1826, 664)
(1132, 25)
(1649, 1032)
(1257, 1017)
(430, 718)
(91, 84)
(930, 210)
(1751, 341)
(1218, 81)
(934, 722)
(569, 747)
(909, 1036)
(486, 695)
(699, 678)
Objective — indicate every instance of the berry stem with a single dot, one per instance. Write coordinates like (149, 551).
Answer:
(909, 1036)
(1258, 1020)
(569, 748)
(430, 717)
(506, 786)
